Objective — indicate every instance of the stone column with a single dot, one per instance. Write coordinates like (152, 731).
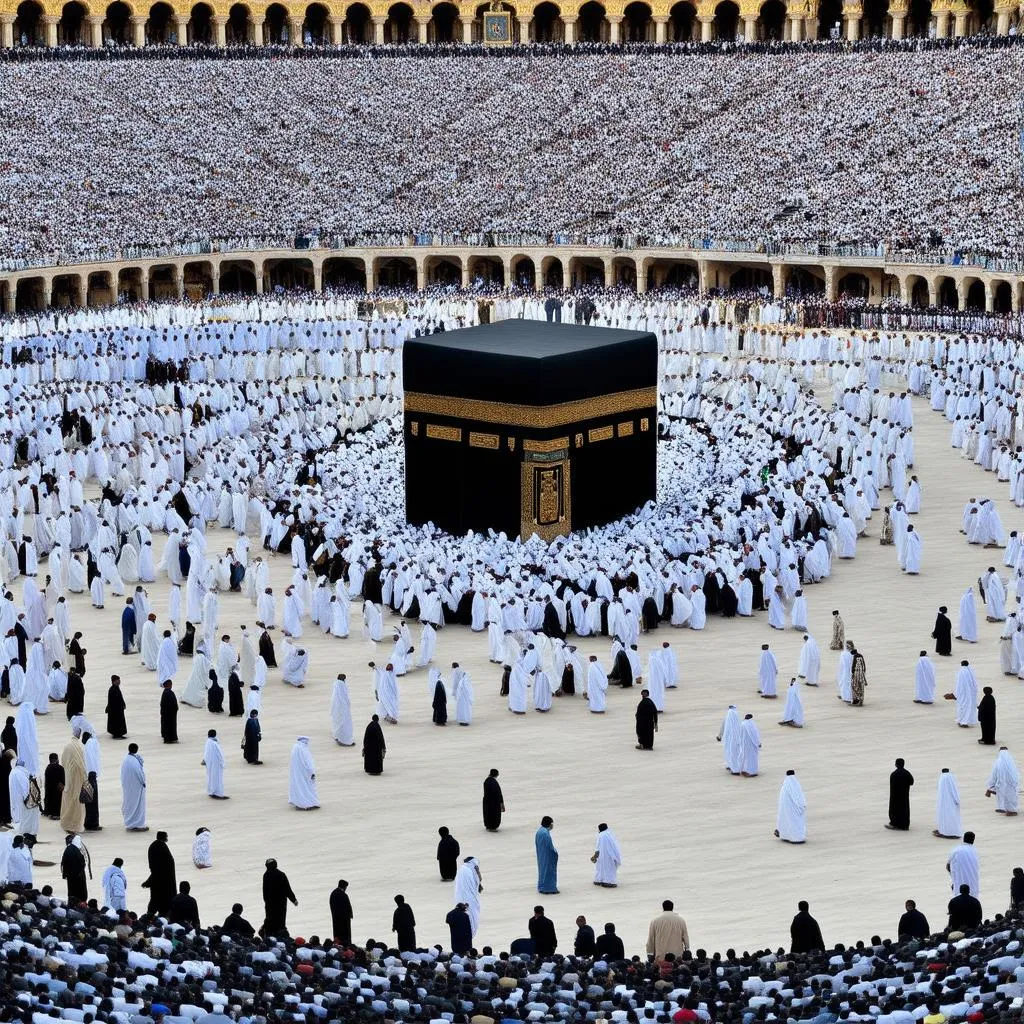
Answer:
(796, 28)
(749, 27)
(538, 275)
(609, 272)
(337, 29)
(1002, 20)
(661, 28)
(905, 291)
(7, 31)
(941, 24)
(960, 24)
(259, 32)
(570, 29)
(961, 295)
(50, 21)
(465, 273)
(295, 31)
(421, 275)
(181, 20)
(220, 30)
(378, 28)
(703, 271)
(179, 282)
(144, 283)
(215, 278)
(47, 292)
(1014, 298)
(615, 20)
(95, 30)
(139, 30)
(898, 19)
(853, 28)
(990, 297)
(258, 266)
(933, 291)
(525, 21)
(467, 30)
(422, 24)
(318, 276)
(706, 28)
(830, 284)
(779, 280)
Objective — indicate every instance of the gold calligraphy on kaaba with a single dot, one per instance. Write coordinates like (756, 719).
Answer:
(600, 434)
(547, 512)
(415, 429)
(644, 425)
(437, 432)
(626, 429)
(546, 446)
(477, 440)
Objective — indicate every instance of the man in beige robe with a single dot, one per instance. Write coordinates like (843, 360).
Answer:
(72, 810)
(667, 933)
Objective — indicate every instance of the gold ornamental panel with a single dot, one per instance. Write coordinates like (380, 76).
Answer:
(477, 440)
(625, 429)
(546, 499)
(437, 432)
(546, 447)
(600, 434)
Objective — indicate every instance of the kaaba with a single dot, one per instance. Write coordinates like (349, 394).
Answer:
(529, 427)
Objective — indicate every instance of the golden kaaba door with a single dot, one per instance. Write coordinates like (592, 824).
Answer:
(546, 496)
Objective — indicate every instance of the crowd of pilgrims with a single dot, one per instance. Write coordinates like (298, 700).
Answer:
(925, 156)
(80, 962)
(277, 419)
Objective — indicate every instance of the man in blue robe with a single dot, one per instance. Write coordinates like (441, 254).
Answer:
(547, 858)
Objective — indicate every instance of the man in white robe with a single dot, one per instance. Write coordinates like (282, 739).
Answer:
(1004, 784)
(167, 658)
(793, 712)
(995, 596)
(809, 666)
(966, 693)
(947, 807)
(963, 866)
(968, 624)
(294, 665)
(597, 686)
(341, 713)
(468, 887)
(910, 555)
(607, 858)
(115, 886)
(149, 643)
(302, 792)
(133, 790)
(518, 685)
(767, 672)
(924, 680)
(213, 759)
(202, 848)
(731, 738)
(25, 798)
(462, 692)
(791, 822)
(386, 688)
(750, 747)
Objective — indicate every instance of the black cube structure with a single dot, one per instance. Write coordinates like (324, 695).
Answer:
(529, 427)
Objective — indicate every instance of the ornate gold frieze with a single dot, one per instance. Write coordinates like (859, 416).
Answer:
(600, 434)
(541, 416)
(440, 433)
(414, 429)
(477, 440)
(546, 446)
(546, 499)
(625, 429)
(645, 425)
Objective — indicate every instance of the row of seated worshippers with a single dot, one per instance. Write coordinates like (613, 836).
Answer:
(88, 964)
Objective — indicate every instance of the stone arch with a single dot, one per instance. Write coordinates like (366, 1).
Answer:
(344, 273)
(946, 293)
(586, 272)
(117, 23)
(624, 272)
(276, 25)
(71, 29)
(637, 23)
(29, 294)
(876, 21)
(160, 24)
(29, 29)
(771, 21)
(891, 287)
(548, 26)
(486, 270)
(682, 22)
(394, 272)
(670, 274)
(443, 269)
(752, 277)
(553, 273)
(853, 285)
(99, 289)
(316, 26)
(66, 291)
(919, 18)
(727, 19)
(917, 291)
(400, 27)
(163, 281)
(288, 273)
(593, 25)
(130, 284)
(980, 17)
(200, 23)
(357, 28)
(1002, 297)
(973, 292)
(830, 14)
(444, 24)
(524, 272)
(238, 277)
(805, 281)
(238, 29)
(197, 278)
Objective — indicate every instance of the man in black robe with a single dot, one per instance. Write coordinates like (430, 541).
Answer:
(913, 924)
(9, 735)
(266, 648)
(987, 717)
(235, 924)
(542, 931)
(728, 601)
(440, 703)
(341, 914)
(900, 782)
(277, 892)
(236, 696)
(584, 943)
(494, 802)
(251, 740)
(162, 882)
(214, 695)
(460, 928)
(6, 764)
(447, 855)
(646, 721)
(117, 727)
(22, 635)
(622, 672)
(374, 747)
(552, 624)
(804, 931)
(964, 911)
(168, 713)
(942, 634)
(53, 786)
(72, 869)
(74, 698)
(184, 910)
(403, 924)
